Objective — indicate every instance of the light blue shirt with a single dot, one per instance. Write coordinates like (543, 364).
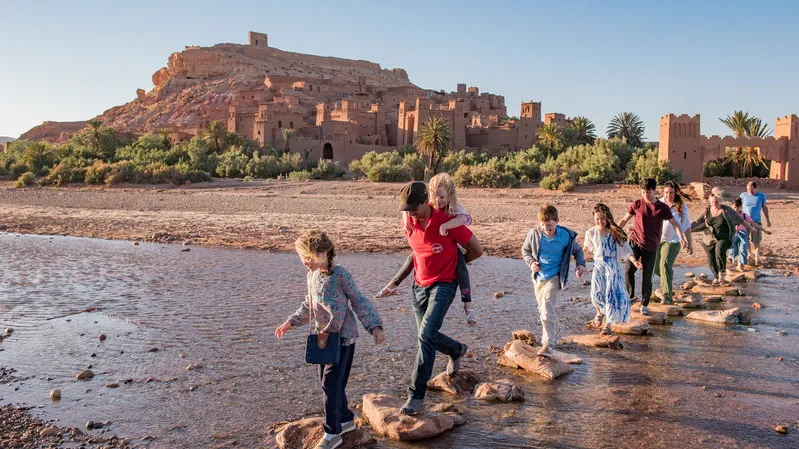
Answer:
(753, 204)
(551, 253)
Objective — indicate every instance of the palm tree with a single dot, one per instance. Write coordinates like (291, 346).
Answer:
(215, 135)
(433, 140)
(585, 131)
(550, 137)
(94, 131)
(745, 159)
(629, 126)
(287, 133)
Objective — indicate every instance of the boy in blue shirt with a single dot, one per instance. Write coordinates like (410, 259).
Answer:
(753, 203)
(547, 251)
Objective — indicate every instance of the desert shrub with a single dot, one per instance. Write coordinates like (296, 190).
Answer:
(395, 166)
(415, 164)
(454, 160)
(718, 167)
(232, 164)
(97, 172)
(122, 171)
(271, 165)
(487, 174)
(645, 164)
(325, 170)
(16, 169)
(525, 165)
(64, 173)
(25, 180)
(389, 173)
(303, 175)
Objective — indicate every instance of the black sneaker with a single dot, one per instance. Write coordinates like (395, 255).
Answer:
(412, 407)
(455, 363)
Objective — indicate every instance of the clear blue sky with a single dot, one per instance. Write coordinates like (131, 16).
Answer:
(72, 60)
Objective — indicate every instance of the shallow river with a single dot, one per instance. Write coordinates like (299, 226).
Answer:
(162, 309)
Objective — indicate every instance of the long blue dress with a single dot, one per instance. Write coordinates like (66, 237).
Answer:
(608, 288)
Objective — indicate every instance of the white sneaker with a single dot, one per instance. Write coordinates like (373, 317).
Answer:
(348, 426)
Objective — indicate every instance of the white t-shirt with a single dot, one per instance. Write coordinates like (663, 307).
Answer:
(669, 234)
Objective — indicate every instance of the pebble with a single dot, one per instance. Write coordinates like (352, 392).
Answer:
(193, 367)
(85, 375)
(757, 305)
(152, 350)
(185, 250)
(112, 385)
(102, 337)
(90, 425)
(781, 429)
(55, 395)
(498, 295)
(689, 275)
(9, 331)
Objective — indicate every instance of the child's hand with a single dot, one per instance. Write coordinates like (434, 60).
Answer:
(638, 264)
(442, 230)
(282, 329)
(581, 272)
(388, 290)
(380, 336)
(407, 225)
(535, 267)
(469, 314)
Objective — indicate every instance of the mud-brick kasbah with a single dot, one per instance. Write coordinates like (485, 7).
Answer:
(342, 108)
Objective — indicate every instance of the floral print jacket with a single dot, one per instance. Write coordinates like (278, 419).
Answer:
(335, 297)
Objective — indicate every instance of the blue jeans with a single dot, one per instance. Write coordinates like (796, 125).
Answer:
(740, 247)
(430, 305)
(334, 383)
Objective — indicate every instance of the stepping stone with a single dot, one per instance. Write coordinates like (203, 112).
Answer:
(727, 316)
(500, 391)
(383, 413)
(571, 359)
(712, 299)
(689, 300)
(735, 277)
(503, 360)
(634, 327)
(460, 384)
(596, 341)
(668, 309)
(688, 285)
(753, 275)
(524, 336)
(526, 357)
(690, 275)
(305, 433)
(717, 291)
(652, 318)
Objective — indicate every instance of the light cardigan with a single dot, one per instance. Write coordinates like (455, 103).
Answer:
(593, 243)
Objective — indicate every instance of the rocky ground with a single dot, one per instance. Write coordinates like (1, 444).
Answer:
(19, 430)
(359, 216)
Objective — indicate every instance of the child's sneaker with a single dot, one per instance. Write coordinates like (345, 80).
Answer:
(333, 443)
(412, 407)
(455, 363)
(348, 426)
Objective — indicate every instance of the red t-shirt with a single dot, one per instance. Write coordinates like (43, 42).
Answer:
(649, 218)
(434, 256)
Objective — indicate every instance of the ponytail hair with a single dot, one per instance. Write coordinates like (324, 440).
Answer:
(618, 234)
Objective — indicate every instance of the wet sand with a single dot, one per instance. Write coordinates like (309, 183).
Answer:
(359, 216)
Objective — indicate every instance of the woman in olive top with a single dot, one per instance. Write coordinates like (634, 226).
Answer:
(718, 222)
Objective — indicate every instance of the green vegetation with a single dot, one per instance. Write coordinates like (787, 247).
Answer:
(98, 155)
(629, 126)
(745, 161)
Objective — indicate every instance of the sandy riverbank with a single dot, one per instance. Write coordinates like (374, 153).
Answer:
(360, 216)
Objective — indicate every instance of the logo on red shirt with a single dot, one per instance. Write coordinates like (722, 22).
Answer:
(436, 248)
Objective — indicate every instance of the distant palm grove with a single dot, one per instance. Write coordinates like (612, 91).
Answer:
(562, 158)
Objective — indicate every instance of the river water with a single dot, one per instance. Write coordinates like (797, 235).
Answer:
(163, 308)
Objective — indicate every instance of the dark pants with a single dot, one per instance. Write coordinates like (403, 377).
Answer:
(430, 305)
(334, 382)
(717, 256)
(462, 274)
(647, 259)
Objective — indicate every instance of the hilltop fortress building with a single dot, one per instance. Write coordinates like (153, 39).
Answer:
(342, 119)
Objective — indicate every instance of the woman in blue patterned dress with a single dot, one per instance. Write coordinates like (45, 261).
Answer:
(608, 243)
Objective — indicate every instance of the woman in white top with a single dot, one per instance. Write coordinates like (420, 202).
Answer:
(669, 240)
(608, 243)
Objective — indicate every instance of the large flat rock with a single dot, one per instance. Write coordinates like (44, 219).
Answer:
(652, 318)
(383, 413)
(571, 359)
(462, 383)
(633, 327)
(688, 300)
(305, 433)
(726, 316)
(500, 391)
(596, 340)
(668, 309)
(717, 291)
(526, 357)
